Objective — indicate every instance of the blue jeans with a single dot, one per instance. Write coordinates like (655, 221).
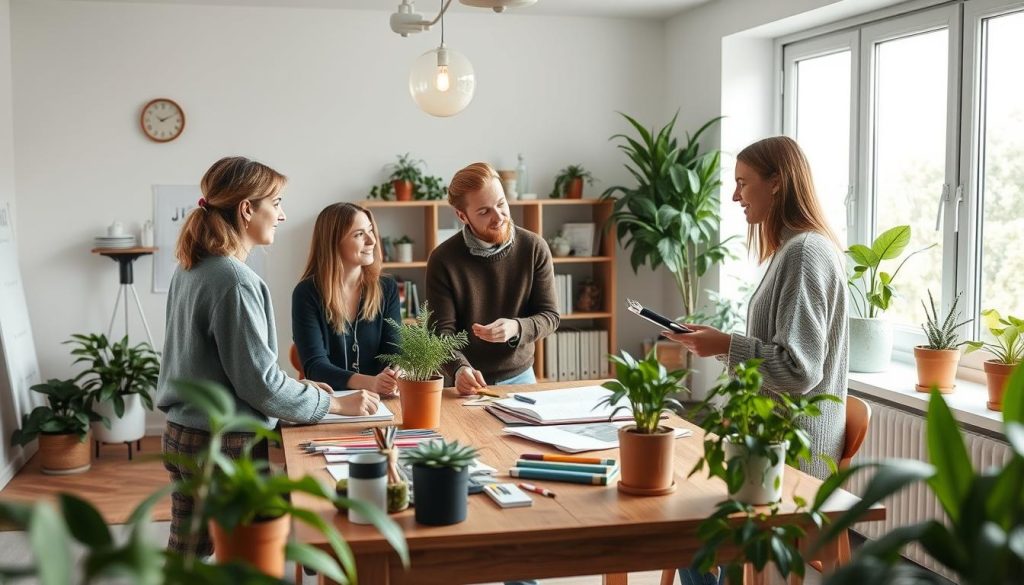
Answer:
(525, 377)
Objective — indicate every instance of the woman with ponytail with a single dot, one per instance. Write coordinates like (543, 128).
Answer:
(340, 305)
(220, 327)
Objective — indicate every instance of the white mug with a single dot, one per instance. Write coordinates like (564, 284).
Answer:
(115, 229)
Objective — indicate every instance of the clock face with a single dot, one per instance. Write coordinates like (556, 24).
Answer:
(162, 120)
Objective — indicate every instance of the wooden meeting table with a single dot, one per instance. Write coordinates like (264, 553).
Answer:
(585, 530)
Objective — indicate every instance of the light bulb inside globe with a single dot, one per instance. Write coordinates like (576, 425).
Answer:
(442, 82)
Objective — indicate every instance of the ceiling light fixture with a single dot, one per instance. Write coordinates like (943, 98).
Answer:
(407, 21)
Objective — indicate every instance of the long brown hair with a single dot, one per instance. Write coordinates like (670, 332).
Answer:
(796, 204)
(214, 228)
(325, 267)
(469, 180)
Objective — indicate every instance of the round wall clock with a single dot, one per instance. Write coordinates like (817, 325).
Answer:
(162, 120)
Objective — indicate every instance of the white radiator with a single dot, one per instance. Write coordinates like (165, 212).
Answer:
(898, 434)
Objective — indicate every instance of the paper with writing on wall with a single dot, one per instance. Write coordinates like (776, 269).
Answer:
(578, 438)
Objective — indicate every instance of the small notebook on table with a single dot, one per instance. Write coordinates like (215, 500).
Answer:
(508, 495)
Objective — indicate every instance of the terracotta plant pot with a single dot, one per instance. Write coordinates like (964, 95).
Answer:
(403, 190)
(65, 454)
(260, 544)
(646, 462)
(997, 374)
(421, 403)
(575, 190)
(936, 367)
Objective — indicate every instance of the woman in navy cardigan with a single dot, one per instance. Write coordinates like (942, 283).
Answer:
(339, 306)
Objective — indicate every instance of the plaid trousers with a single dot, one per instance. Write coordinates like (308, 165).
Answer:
(190, 442)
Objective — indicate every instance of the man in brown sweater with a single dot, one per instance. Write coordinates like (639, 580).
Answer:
(495, 281)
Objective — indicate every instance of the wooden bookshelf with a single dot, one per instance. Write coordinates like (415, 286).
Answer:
(602, 266)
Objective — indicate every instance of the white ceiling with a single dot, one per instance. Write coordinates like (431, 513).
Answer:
(605, 8)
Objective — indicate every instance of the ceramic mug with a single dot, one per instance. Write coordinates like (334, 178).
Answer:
(115, 229)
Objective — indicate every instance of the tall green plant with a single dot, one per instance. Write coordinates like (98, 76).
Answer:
(982, 537)
(421, 352)
(671, 215)
(116, 370)
(870, 287)
(648, 386)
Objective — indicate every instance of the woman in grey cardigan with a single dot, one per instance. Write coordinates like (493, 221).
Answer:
(797, 319)
(220, 327)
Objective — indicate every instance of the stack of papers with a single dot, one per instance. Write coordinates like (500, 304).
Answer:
(383, 413)
(571, 405)
(578, 438)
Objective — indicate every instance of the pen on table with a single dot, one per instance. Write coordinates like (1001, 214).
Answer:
(525, 399)
(566, 458)
(537, 490)
(485, 392)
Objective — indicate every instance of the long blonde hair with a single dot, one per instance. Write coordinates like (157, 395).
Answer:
(215, 227)
(325, 267)
(796, 204)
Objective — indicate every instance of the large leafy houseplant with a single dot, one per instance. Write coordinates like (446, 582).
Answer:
(671, 215)
(235, 493)
(982, 537)
(116, 371)
(871, 287)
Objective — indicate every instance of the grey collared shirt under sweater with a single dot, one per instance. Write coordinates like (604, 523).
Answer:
(797, 323)
(220, 327)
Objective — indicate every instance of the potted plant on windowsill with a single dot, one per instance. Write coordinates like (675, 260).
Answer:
(937, 361)
(62, 428)
(871, 292)
(440, 476)
(754, 436)
(248, 509)
(120, 379)
(569, 182)
(1007, 352)
(421, 355)
(647, 448)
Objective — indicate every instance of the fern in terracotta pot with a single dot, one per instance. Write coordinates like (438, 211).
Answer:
(646, 448)
(421, 355)
(938, 359)
(1007, 352)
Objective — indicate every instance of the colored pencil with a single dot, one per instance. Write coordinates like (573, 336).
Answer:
(566, 458)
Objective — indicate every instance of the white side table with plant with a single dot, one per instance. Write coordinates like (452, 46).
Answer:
(120, 380)
(871, 293)
(646, 448)
(421, 355)
(1007, 352)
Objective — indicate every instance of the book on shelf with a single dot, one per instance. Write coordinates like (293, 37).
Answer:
(576, 355)
(570, 405)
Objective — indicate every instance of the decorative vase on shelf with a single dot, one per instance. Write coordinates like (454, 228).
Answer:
(404, 252)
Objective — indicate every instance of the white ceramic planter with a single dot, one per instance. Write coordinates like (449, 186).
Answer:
(762, 483)
(130, 427)
(870, 344)
(404, 252)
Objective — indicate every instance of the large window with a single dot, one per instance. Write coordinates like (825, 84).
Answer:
(938, 144)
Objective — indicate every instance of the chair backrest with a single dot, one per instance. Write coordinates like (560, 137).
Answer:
(858, 418)
(293, 355)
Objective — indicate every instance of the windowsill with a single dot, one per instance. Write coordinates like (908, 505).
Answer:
(896, 385)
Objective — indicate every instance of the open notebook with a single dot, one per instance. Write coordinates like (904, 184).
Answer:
(571, 405)
(383, 413)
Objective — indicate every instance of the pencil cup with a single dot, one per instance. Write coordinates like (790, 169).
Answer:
(367, 481)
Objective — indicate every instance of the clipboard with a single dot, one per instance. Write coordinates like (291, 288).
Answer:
(659, 320)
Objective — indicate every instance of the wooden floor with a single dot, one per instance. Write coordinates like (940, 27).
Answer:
(114, 485)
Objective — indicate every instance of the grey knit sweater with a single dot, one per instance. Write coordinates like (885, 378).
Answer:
(797, 324)
(220, 327)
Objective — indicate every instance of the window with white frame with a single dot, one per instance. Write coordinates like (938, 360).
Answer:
(918, 120)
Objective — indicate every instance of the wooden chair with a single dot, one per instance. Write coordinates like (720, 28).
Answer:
(293, 355)
(858, 419)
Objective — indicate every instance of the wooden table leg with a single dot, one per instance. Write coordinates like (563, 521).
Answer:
(615, 579)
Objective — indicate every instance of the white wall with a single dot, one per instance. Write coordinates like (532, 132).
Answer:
(320, 95)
